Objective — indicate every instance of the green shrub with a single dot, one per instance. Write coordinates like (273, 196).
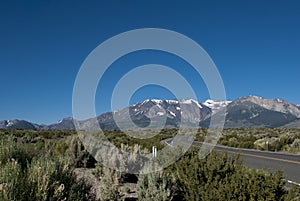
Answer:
(154, 186)
(219, 177)
(109, 190)
(27, 178)
(11, 151)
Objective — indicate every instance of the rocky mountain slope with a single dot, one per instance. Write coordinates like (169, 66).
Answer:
(253, 111)
(18, 124)
(150, 114)
(248, 111)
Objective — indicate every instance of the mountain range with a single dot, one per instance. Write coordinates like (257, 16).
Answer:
(248, 111)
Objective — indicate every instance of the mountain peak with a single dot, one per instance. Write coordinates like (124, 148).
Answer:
(259, 98)
(190, 101)
(153, 100)
(247, 111)
(151, 112)
(277, 105)
(180, 101)
(251, 97)
(18, 124)
(65, 119)
(216, 105)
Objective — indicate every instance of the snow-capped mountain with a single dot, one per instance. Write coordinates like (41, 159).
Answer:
(216, 105)
(248, 111)
(186, 112)
(253, 111)
(18, 124)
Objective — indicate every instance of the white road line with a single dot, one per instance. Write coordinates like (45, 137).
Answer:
(292, 182)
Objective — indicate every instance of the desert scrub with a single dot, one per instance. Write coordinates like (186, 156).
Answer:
(12, 151)
(27, 177)
(110, 181)
(55, 180)
(154, 186)
(220, 177)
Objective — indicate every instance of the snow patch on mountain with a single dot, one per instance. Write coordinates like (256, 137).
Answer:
(254, 115)
(175, 102)
(156, 101)
(243, 112)
(9, 123)
(160, 113)
(190, 101)
(172, 101)
(216, 105)
(172, 113)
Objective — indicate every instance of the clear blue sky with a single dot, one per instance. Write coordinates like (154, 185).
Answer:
(254, 44)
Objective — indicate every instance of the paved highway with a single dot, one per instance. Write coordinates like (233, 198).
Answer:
(289, 164)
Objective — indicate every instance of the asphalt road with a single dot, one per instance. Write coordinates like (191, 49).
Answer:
(289, 164)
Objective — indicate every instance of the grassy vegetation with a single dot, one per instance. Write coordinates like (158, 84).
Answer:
(39, 165)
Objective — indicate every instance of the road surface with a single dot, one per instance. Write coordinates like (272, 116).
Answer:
(289, 164)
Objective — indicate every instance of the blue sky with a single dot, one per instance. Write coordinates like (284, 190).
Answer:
(254, 44)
